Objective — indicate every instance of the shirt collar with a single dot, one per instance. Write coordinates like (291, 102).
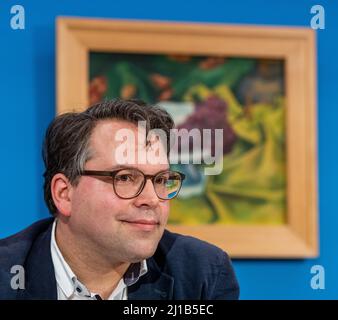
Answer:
(70, 285)
(64, 275)
(134, 272)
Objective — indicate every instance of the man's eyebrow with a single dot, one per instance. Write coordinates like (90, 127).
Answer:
(118, 167)
(113, 168)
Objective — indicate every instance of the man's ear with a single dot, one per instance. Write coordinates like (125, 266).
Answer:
(61, 190)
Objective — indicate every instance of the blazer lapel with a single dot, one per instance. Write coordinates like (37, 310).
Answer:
(40, 280)
(154, 285)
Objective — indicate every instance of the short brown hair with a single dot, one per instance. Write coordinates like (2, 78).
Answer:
(66, 143)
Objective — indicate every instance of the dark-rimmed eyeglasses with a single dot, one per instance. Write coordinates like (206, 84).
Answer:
(129, 183)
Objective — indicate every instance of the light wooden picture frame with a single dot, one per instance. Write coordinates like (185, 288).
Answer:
(298, 237)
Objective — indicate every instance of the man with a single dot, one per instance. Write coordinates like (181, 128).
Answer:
(107, 237)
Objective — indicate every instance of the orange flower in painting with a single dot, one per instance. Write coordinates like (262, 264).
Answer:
(211, 62)
(160, 81)
(128, 91)
(97, 88)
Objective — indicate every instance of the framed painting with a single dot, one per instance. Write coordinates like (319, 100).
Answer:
(256, 83)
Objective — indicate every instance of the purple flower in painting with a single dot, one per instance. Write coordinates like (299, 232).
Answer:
(211, 114)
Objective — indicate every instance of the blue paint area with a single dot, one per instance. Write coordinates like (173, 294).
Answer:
(27, 88)
(171, 195)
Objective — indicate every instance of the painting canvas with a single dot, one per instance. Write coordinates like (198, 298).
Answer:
(243, 96)
(257, 83)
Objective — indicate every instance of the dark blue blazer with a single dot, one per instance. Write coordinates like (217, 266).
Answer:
(181, 268)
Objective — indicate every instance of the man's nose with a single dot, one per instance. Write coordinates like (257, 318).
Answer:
(148, 195)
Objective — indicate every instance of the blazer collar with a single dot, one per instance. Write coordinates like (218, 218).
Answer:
(40, 280)
(155, 285)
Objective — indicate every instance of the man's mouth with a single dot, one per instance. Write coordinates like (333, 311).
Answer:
(142, 224)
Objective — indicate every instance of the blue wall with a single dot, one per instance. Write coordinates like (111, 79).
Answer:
(28, 104)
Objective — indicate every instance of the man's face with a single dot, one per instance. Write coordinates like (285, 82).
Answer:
(123, 230)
